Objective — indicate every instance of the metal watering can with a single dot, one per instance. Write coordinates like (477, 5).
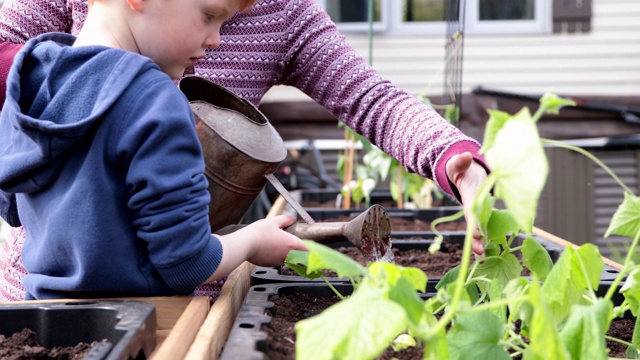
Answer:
(242, 150)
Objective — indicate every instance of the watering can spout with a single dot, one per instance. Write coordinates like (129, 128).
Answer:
(370, 232)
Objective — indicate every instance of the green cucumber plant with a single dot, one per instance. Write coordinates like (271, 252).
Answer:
(405, 187)
(477, 306)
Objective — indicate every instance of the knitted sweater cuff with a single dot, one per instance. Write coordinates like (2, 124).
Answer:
(455, 149)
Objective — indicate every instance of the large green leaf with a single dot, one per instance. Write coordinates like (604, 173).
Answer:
(402, 284)
(359, 327)
(545, 342)
(500, 224)
(561, 290)
(476, 335)
(504, 267)
(448, 282)
(519, 309)
(298, 261)
(626, 220)
(496, 121)
(436, 348)
(590, 263)
(496, 292)
(572, 274)
(518, 161)
(631, 291)
(583, 333)
(536, 258)
(322, 257)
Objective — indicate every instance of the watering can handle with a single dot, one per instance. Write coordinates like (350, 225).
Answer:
(287, 196)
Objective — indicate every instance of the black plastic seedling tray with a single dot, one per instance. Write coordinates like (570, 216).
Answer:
(321, 214)
(246, 339)
(406, 241)
(128, 326)
(332, 196)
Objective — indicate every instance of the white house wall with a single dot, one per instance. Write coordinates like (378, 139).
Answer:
(604, 61)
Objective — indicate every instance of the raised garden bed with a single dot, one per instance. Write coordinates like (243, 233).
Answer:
(264, 328)
(113, 329)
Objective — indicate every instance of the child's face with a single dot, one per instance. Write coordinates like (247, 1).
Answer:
(176, 32)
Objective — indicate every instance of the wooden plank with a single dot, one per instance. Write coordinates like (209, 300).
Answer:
(184, 329)
(562, 242)
(215, 330)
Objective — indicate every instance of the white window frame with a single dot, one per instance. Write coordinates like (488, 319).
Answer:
(378, 26)
(391, 22)
(540, 24)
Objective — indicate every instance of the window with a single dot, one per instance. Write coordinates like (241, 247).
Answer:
(428, 17)
(508, 17)
(353, 15)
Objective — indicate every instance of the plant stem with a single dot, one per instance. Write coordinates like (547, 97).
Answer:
(438, 235)
(625, 268)
(515, 248)
(591, 157)
(333, 288)
(495, 303)
(460, 281)
(541, 110)
(618, 340)
(619, 310)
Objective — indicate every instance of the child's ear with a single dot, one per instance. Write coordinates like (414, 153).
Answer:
(136, 5)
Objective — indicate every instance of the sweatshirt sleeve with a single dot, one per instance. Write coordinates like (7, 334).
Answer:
(324, 66)
(168, 196)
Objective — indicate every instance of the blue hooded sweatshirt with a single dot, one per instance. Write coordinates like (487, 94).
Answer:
(99, 157)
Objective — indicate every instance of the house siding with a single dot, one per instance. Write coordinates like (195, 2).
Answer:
(604, 61)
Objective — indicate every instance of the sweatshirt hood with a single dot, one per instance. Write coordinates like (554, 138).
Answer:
(56, 94)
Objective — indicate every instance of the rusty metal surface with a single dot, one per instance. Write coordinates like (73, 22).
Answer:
(239, 146)
(370, 232)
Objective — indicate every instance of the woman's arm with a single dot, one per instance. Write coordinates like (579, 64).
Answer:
(21, 20)
(323, 65)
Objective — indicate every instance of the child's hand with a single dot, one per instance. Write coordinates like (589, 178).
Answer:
(262, 243)
(271, 244)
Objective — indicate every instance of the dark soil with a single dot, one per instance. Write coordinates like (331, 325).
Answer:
(388, 204)
(402, 224)
(290, 309)
(23, 345)
(399, 224)
(434, 265)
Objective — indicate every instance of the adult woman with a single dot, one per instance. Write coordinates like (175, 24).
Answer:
(293, 43)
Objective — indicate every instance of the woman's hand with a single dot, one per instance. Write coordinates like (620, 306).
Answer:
(467, 176)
